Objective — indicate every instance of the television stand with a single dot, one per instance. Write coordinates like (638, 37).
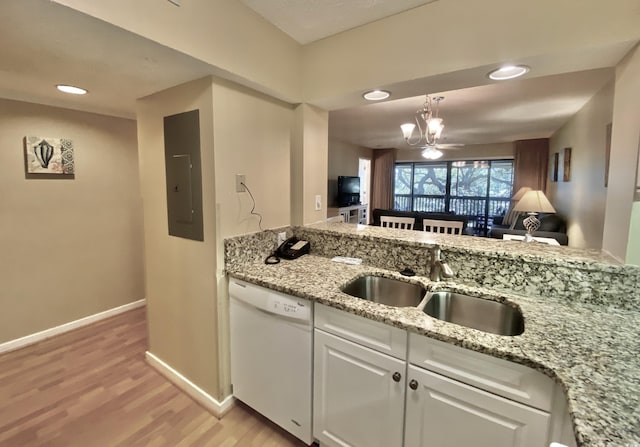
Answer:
(354, 214)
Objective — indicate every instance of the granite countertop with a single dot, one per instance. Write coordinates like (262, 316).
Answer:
(549, 254)
(593, 352)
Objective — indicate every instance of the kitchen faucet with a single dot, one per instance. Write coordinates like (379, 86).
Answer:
(439, 269)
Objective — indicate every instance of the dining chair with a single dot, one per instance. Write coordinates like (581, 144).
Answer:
(403, 223)
(442, 226)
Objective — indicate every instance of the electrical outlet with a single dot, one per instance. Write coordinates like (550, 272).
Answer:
(240, 183)
(282, 236)
(318, 202)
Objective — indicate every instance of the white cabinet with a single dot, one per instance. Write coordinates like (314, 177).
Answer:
(446, 413)
(359, 380)
(460, 397)
(358, 394)
(374, 386)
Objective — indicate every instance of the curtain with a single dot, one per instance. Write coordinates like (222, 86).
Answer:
(382, 188)
(531, 164)
(530, 167)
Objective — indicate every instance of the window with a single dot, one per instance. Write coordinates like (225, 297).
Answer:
(478, 189)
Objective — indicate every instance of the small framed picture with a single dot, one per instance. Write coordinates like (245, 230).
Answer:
(566, 164)
(607, 154)
(44, 155)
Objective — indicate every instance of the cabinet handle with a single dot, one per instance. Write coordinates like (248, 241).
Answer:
(413, 384)
(396, 376)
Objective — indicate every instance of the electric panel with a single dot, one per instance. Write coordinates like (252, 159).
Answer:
(183, 174)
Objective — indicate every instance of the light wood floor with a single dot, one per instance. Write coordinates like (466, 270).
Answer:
(91, 387)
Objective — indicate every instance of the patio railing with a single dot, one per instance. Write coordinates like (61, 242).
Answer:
(479, 210)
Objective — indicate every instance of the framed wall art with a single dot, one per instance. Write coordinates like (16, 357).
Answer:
(607, 154)
(46, 155)
(566, 165)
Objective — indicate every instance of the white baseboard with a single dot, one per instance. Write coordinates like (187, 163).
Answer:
(218, 409)
(48, 333)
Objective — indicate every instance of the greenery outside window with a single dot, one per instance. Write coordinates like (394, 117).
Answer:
(475, 188)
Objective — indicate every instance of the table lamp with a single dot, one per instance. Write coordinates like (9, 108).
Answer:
(520, 194)
(532, 203)
(512, 216)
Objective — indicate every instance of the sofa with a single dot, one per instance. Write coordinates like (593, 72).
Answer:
(418, 216)
(551, 226)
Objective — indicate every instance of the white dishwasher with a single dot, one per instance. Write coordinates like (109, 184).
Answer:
(271, 355)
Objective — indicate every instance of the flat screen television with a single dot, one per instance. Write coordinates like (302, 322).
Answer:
(348, 190)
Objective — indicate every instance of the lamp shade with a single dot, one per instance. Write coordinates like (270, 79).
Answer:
(407, 130)
(435, 125)
(521, 192)
(534, 202)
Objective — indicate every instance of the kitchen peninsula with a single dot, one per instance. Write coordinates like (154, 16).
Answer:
(581, 309)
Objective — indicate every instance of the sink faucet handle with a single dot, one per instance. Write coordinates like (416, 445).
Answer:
(439, 269)
(447, 271)
(435, 252)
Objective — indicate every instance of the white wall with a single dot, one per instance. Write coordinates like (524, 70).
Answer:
(243, 47)
(453, 36)
(582, 200)
(238, 43)
(242, 132)
(316, 149)
(180, 273)
(624, 159)
(343, 159)
(309, 164)
(71, 247)
(252, 136)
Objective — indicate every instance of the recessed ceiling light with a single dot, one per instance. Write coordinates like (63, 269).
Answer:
(376, 95)
(508, 72)
(71, 89)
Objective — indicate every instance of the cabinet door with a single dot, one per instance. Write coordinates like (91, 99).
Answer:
(442, 412)
(358, 394)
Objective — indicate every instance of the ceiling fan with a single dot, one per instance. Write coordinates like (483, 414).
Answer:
(447, 146)
(433, 152)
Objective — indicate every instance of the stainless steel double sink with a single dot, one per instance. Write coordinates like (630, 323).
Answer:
(474, 312)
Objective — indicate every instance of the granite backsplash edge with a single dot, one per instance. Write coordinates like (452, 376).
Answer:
(569, 280)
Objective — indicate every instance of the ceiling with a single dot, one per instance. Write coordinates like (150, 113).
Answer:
(513, 110)
(309, 20)
(45, 44)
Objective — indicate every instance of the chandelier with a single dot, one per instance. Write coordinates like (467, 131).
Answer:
(431, 122)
